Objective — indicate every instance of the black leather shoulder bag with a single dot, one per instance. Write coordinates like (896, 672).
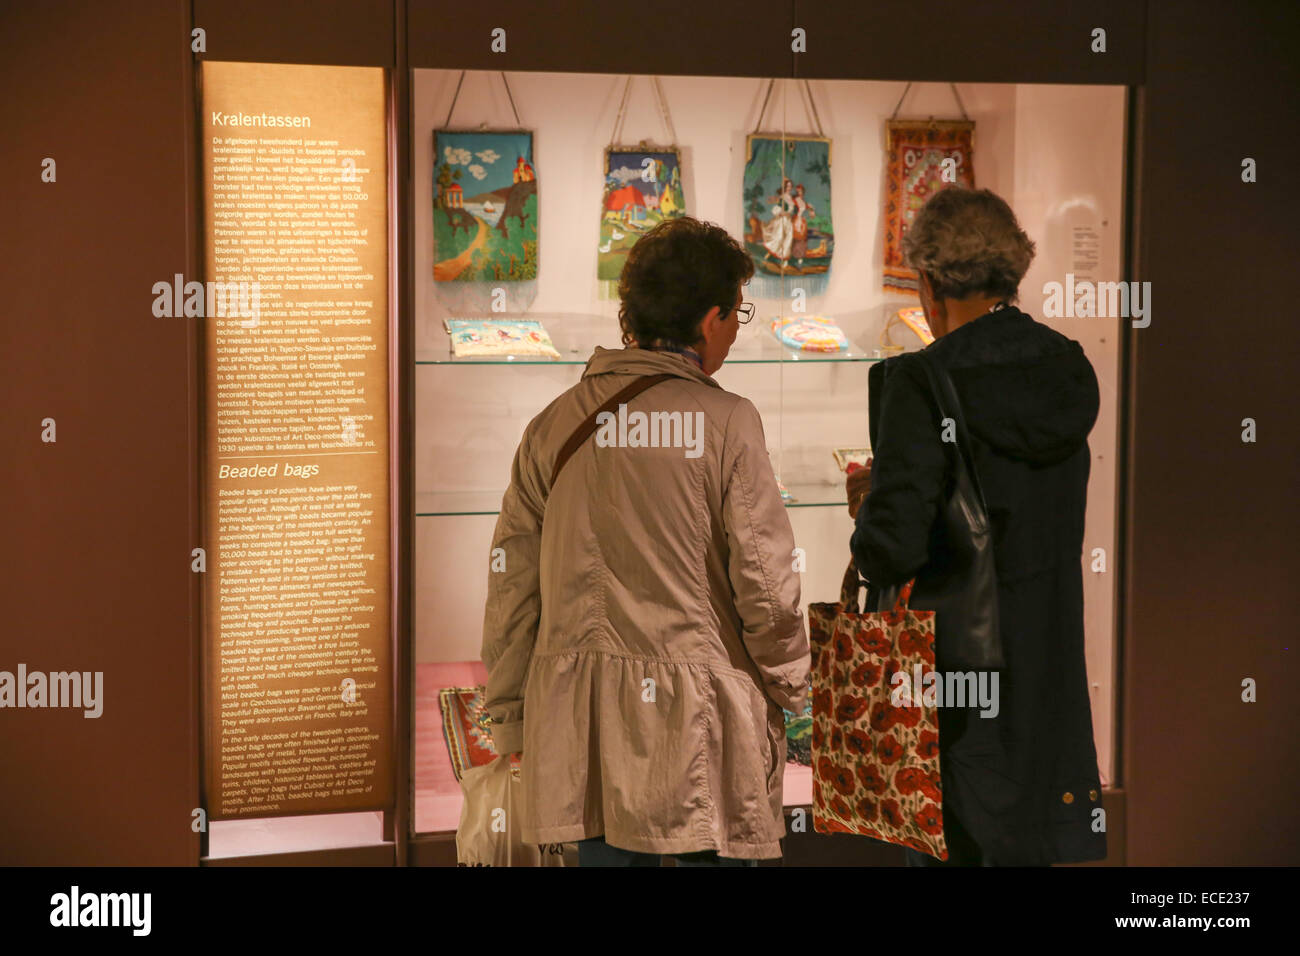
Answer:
(959, 582)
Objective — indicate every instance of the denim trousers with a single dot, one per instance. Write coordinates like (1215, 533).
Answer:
(596, 852)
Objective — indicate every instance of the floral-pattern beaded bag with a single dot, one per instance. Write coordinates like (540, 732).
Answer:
(875, 743)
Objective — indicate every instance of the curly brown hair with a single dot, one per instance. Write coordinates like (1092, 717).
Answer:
(674, 275)
(969, 243)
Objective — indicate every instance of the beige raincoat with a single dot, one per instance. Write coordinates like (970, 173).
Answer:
(642, 640)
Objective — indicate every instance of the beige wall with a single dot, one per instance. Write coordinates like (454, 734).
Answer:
(1069, 178)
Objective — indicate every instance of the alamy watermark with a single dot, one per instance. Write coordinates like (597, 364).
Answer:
(178, 298)
(130, 910)
(651, 430)
(56, 689)
(1085, 299)
(924, 688)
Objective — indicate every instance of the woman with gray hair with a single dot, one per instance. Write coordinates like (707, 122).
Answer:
(1020, 782)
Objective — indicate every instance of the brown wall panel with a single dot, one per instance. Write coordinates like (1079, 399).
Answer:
(991, 41)
(98, 525)
(1006, 41)
(334, 32)
(1213, 556)
(718, 38)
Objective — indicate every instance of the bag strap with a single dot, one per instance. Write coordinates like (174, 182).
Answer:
(904, 596)
(851, 588)
(945, 396)
(584, 431)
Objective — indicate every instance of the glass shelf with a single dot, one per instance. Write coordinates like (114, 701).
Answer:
(436, 504)
(576, 335)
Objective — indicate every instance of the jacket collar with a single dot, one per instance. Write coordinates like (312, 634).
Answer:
(637, 361)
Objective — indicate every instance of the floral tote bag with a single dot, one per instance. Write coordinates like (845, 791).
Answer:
(875, 742)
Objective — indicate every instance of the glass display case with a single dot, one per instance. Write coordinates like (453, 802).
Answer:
(1063, 178)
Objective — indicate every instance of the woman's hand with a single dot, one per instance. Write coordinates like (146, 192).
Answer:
(857, 484)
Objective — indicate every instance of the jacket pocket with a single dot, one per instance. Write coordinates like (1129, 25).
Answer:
(747, 754)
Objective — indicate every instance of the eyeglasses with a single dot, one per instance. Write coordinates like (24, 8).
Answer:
(744, 312)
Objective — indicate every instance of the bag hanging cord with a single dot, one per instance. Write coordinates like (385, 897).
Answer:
(953, 86)
(810, 108)
(456, 96)
(664, 112)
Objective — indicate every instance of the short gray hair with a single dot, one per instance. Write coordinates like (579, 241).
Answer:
(969, 243)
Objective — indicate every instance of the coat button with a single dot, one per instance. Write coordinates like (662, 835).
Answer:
(1067, 797)
(1092, 795)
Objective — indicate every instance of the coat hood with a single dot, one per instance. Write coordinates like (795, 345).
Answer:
(1033, 391)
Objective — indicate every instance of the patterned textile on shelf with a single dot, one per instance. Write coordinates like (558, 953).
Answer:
(798, 735)
(917, 151)
(809, 333)
(914, 319)
(465, 728)
(479, 337)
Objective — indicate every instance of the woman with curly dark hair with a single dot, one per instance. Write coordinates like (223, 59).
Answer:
(1020, 780)
(645, 632)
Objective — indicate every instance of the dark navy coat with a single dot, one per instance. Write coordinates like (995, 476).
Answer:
(1023, 784)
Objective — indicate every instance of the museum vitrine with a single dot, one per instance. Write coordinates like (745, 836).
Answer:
(530, 187)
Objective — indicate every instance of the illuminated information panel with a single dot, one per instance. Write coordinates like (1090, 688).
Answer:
(297, 668)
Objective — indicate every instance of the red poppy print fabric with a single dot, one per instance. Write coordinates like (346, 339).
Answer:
(875, 762)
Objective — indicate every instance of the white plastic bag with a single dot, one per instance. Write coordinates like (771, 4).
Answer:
(490, 831)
